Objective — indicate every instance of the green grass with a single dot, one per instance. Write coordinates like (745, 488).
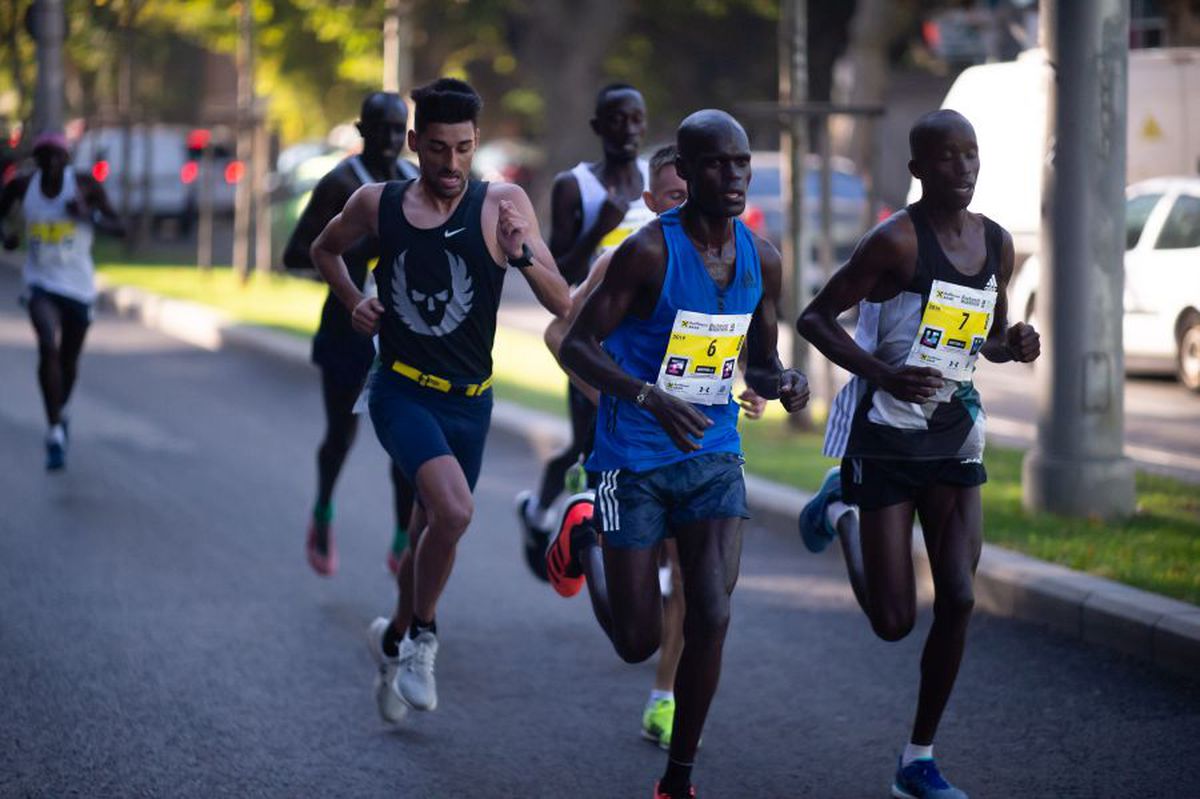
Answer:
(1158, 549)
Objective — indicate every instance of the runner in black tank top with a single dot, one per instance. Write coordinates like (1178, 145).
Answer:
(445, 241)
(343, 356)
(928, 305)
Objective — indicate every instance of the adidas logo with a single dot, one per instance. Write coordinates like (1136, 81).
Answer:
(991, 284)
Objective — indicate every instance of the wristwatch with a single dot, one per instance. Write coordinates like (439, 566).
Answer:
(640, 399)
(523, 260)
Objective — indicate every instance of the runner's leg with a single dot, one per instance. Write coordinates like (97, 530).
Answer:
(891, 588)
(672, 633)
(47, 322)
(341, 425)
(74, 331)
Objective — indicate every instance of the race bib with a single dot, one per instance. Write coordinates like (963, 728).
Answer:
(953, 328)
(702, 356)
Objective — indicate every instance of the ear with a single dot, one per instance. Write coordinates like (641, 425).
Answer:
(595, 123)
(914, 170)
(681, 168)
(648, 199)
(412, 140)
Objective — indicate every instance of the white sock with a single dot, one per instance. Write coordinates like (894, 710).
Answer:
(57, 434)
(914, 752)
(836, 510)
(657, 696)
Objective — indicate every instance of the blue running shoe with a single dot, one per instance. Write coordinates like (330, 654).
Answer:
(815, 529)
(56, 455)
(921, 779)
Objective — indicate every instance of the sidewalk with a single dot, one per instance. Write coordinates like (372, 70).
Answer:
(1148, 626)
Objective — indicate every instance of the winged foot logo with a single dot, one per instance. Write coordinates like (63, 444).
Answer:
(434, 298)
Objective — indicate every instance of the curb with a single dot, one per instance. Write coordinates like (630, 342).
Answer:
(1154, 628)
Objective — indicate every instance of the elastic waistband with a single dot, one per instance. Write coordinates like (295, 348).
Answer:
(440, 383)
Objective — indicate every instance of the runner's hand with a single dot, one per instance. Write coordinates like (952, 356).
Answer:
(752, 404)
(11, 242)
(912, 383)
(793, 390)
(682, 422)
(510, 230)
(1023, 342)
(612, 213)
(366, 315)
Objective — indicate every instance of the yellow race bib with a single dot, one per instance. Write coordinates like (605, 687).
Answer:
(702, 355)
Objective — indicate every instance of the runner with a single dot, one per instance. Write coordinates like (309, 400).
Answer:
(930, 286)
(61, 207)
(594, 206)
(343, 356)
(679, 299)
(666, 191)
(444, 240)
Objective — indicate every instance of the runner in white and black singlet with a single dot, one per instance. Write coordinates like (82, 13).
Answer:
(930, 286)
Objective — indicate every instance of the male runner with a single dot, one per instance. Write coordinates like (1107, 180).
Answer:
(666, 191)
(593, 207)
(344, 356)
(930, 285)
(61, 206)
(660, 337)
(444, 242)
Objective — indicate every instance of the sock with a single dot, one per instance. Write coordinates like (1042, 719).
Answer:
(835, 511)
(399, 541)
(657, 696)
(56, 434)
(676, 779)
(323, 514)
(391, 641)
(916, 752)
(419, 626)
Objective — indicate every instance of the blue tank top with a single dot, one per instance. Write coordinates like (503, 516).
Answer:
(629, 437)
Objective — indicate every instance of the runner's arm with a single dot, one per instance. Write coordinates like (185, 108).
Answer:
(109, 220)
(517, 224)
(557, 329)
(1019, 342)
(359, 218)
(873, 268)
(329, 196)
(13, 191)
(635, 273)
(765, 374)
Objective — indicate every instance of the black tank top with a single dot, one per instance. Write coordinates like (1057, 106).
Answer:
(439, 287)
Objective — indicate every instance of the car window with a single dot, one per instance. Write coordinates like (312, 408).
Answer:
(1137, 211)
(1182, 228)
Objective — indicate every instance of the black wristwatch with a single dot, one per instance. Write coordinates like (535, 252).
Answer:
(524, 260)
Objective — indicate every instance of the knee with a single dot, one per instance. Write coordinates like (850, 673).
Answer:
(892, 625)
(634, 644)
(452, 519)
(706, 620)
(48, 352)
(955, 603)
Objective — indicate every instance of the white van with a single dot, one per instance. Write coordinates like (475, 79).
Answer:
(1007, 105)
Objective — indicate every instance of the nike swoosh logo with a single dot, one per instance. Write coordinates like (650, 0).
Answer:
(450, 233)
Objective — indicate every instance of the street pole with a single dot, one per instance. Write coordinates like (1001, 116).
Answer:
(824, 391)
(397, 45)
(49, 26)
(1077, 466)
(262, 205)
(793, 90)
(245, 141)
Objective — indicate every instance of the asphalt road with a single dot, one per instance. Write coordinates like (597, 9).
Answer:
(162, 635)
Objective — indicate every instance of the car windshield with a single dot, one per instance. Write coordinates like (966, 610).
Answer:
(1137, 211)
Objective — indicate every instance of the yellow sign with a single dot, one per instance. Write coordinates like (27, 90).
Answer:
(1151, 129)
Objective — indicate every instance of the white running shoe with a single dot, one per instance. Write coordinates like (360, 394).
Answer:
(415, 676)
(391, 705)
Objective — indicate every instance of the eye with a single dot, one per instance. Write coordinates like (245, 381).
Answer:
(442, 295)
(418, 296)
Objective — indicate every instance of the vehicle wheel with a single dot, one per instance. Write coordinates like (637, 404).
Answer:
(1188, 361)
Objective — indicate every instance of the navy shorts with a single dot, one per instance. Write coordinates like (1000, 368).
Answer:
(637, 510)
(416, 424)
(876, 483)
(80, 312)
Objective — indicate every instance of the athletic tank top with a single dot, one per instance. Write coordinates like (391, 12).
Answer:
(592, 194)
(59, 258)
(690, 342)
(867, 422)
(439, 287)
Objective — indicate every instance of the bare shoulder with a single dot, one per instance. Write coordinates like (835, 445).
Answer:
(768, 254)
(500, 190)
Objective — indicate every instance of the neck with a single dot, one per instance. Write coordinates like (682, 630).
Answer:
(943, 217)
(711, 232)
(379, 166)
(443, 205)
(618, 166)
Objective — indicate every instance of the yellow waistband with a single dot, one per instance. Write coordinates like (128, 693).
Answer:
(439, 383)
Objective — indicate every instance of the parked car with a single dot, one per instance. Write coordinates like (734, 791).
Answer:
(1162, 279)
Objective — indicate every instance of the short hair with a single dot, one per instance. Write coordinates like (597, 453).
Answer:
(446, 100)
(663, 156)
(930, 127)
(374, 103)
(602, 95)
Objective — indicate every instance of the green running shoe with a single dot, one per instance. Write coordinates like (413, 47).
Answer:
(657, 720)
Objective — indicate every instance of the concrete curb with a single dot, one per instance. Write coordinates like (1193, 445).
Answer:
(1139, 623)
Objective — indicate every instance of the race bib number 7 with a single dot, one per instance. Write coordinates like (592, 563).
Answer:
(702, 356)
(953, 327)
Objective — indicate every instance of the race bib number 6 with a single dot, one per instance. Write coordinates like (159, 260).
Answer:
(953, 328)
(702, 356)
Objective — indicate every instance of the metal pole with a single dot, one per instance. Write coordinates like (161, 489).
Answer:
(262, 205)
(48, 92)
(125, 109)
(793, 89)
(245, 141)
(1077, 467)
(397, 45)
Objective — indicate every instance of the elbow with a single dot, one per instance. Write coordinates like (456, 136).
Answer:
(570, 352)
(807, 323)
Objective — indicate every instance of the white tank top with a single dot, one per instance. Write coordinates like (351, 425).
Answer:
(591, 197)
(59, 246)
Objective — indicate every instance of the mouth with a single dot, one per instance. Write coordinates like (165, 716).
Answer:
(450, 181)
(734, 196)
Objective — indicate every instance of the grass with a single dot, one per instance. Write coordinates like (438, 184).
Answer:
(1158, 549)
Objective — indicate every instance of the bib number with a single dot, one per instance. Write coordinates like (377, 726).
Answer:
(702, 356)
(953, 328)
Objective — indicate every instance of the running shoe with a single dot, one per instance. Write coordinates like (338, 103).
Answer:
(533, 540)
(562, 561)
(690, 793)
(657, 720)
(415, 675)
(921, 779)
(391, 705)
(815, 529)
(325, 562)
(56, 454)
